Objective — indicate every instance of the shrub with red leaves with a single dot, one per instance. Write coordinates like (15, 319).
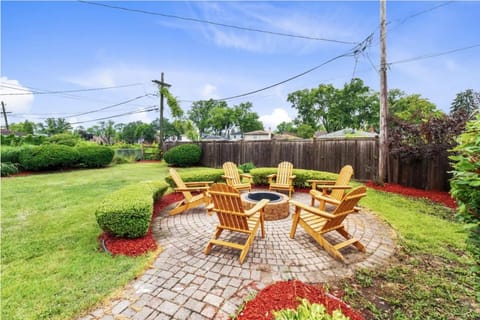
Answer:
(287, 295)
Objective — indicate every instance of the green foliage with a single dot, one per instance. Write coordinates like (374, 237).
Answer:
(48, 157)
(465, 183)
(309, 311)
(353, 106)
(214, 175)
(8, 168)
(10, 154)
(65, 139)
(413, 108)
(184, 155)
(246, 167)
(302, 175)
(128, 211)
(467, 100)
(12, 140)
(95, 156)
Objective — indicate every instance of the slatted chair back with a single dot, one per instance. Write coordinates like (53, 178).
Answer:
(228, 205)
(180, 184)
(284, 173)
(230, 169)
(343, 179)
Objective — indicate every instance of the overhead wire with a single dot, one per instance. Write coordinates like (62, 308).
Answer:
(427, 56)
(69, 91)
(149, 109)
(219, 24)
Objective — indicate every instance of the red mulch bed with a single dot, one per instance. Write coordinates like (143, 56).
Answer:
(137, 246)
(442, 197)
(286, 295)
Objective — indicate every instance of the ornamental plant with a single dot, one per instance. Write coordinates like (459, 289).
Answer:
(309, 311)
(48, 157)
(95, 156)
(465, 183)
(184, 155)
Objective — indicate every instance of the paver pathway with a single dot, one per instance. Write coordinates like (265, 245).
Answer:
(184, 283)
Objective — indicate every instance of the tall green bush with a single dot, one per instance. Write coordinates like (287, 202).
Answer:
(48, 157)
(66, 139)
(95, 156)
(465, 183)
(184, 155)
(10, 154)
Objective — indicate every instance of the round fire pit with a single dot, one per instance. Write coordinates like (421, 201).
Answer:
(276, 209)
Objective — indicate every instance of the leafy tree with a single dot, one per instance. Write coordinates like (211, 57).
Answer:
(305, 131)
(245, 118)
(284, 127)
(26, 127)
(354, 106)
(54, 126)
(221, 118)
(467, 100)
(200, 113)
(413, 108)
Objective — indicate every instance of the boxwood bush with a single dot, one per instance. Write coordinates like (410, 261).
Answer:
(48, 157)
(10, 154)
(127, 212)
(7, 168)
(214, 175)
(302, 175)
(95, 156)
(184, 155)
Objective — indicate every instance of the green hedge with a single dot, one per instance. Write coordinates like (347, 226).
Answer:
(48, 157)
(184, 155)
(127, 212)
(302, 175)
(10, 154)
(7, 168)
(214, 175)
(95, 156)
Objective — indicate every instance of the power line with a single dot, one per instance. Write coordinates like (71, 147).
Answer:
(217, 23)
(150, 109)
(434, 55)
(68, 91)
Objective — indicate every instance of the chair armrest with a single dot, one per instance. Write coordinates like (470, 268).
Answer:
(270, 177)
(199, 188)
(198, 183)
(257, 207)
(324, 182)
(310, 209)
(320, 196)
(246, 176)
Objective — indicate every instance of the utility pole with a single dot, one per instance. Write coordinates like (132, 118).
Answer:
(383, 152)
(4, 115)
(161, 84)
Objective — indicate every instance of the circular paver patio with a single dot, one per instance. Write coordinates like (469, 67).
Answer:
(184, 283)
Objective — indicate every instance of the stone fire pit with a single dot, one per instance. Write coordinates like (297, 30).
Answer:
(276, 209)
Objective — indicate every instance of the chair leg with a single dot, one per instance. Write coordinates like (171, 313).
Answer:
(209, 246)
(295, 219)
(357, 244)
(245, 249)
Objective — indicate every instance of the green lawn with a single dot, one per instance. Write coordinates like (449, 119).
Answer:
(52, 269)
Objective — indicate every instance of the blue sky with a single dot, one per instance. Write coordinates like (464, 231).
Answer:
(58, 46)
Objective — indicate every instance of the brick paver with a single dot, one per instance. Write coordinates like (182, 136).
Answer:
(184, 283)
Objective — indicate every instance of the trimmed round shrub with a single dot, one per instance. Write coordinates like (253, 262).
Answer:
(8, 168)
(184, 155)
(127, 212)
(95, 156)
(48, 157)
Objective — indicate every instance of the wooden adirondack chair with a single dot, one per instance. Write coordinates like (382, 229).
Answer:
(234, 178)
(186, 188)
(231, 215)
(283, 179)
(331, 191)
(317, 222)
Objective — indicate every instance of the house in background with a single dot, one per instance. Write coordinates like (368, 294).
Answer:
(257, 135)
(347, 133)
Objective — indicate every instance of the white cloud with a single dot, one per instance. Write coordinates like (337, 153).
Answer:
(276, 117)
(21, 103)
(209, 91)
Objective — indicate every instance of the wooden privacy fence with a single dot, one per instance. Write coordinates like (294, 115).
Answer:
(325, 155)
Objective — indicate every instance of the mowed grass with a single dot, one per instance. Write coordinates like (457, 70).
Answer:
(51, 265)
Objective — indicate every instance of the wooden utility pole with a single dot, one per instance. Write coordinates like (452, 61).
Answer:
(383, 152)
(161, 84)
(4, 115)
